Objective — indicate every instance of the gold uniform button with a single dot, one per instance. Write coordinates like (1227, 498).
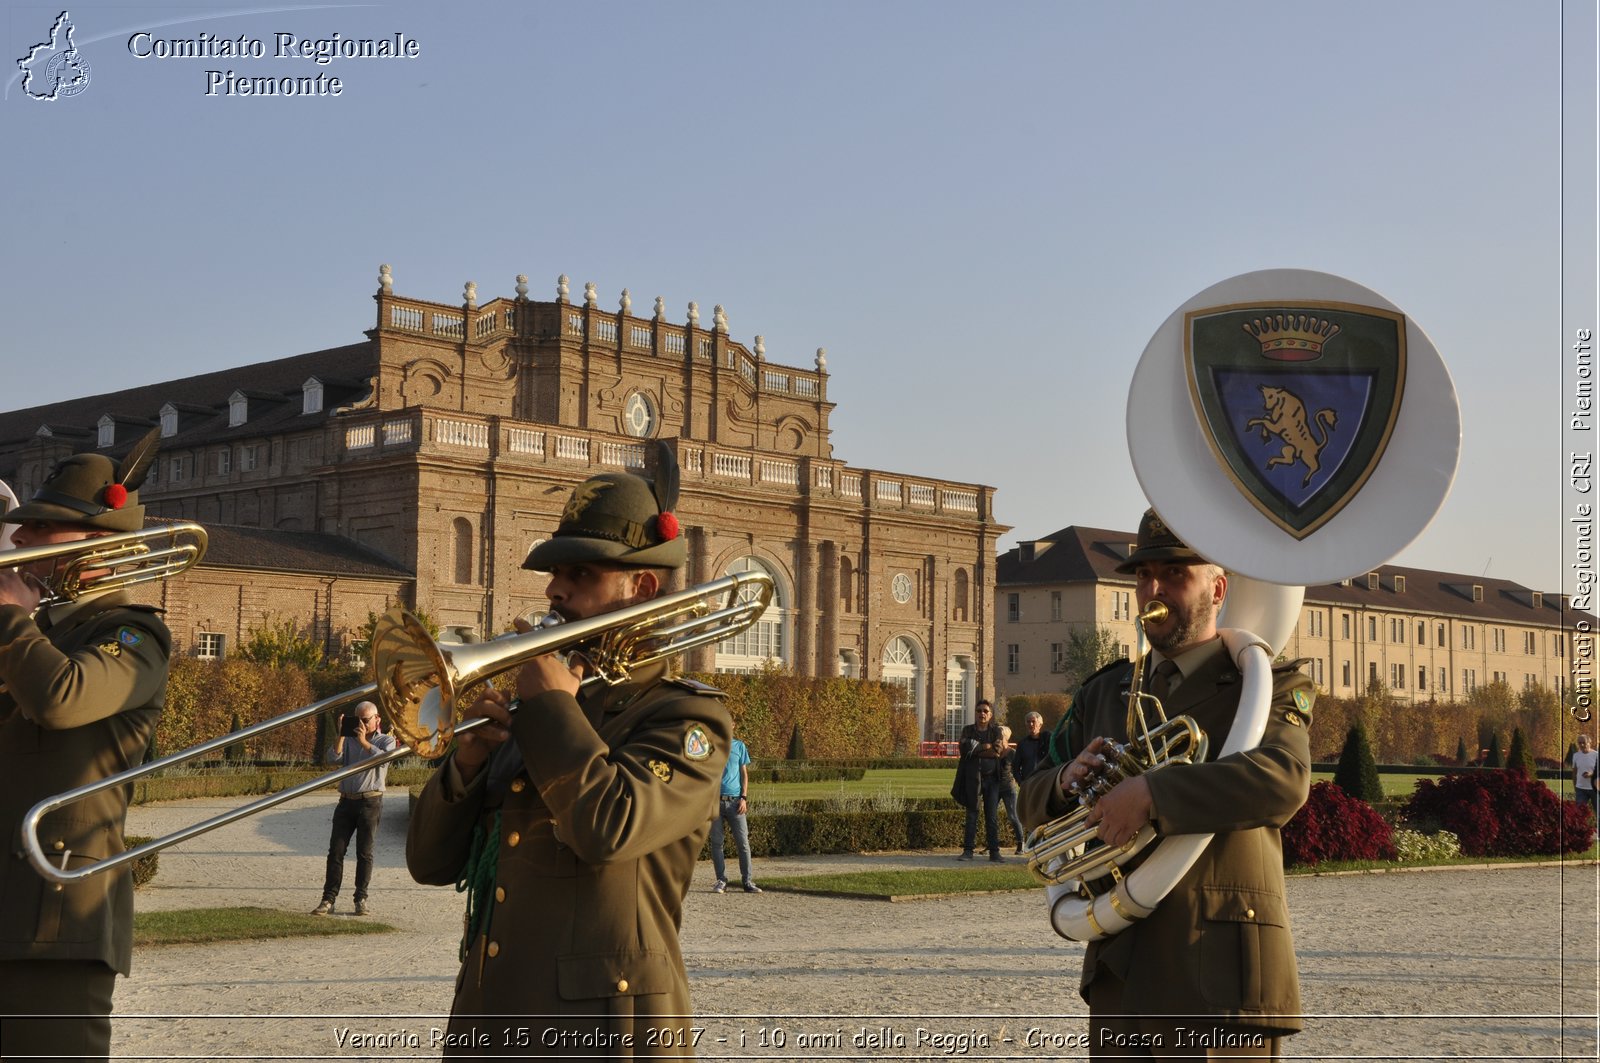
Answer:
(494, 948)
(499, 893)
(1249, 913)
(622, 985)
(513, 839)
(518, 785)
(60, 846)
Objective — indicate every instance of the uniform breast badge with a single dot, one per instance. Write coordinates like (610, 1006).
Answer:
(661, 769)
(697, 744)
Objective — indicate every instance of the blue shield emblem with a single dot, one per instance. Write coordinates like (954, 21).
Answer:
(1297, 401)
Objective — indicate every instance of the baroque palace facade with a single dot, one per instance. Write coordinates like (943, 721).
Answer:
(1423, 634)
(422, 464)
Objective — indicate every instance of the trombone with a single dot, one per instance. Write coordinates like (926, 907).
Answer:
(419, 686)
(113, 562)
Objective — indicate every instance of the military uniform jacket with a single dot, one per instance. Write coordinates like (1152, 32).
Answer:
(80, 704)
(604, 803)
(1219, 944)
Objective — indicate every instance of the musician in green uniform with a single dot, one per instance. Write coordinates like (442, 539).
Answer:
(1212, 973)
(84, 681)
(574, 822)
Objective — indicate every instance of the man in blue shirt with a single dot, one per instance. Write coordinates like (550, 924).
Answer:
(360, 805)
(731, 808)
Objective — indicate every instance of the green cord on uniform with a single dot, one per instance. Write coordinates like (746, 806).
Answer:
(477, 881)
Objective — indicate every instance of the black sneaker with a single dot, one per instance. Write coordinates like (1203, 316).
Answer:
(361, 908)
(751, 887)
(996, 858)
(966, 855)
(323, 909)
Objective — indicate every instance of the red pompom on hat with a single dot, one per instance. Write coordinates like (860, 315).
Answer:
(116, 496)
(667, 526)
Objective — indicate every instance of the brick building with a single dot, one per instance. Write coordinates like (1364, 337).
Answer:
(1424, 634)
(422, 464)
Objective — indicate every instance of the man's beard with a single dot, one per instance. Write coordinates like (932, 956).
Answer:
(1187, 623)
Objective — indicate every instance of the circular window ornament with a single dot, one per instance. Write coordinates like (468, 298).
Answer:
(639, 416)
(900, 587)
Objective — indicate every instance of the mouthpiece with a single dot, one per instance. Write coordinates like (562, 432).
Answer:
(1154, 613)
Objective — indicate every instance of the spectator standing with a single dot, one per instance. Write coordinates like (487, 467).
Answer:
(978, 780)
(1031, 749)
(1008, 783)
(1585, 762)
(732, 806)
(360, 804)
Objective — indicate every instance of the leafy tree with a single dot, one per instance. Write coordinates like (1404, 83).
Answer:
(278, 642)
(1087, 651)
(1357, 774)
(1520, 757)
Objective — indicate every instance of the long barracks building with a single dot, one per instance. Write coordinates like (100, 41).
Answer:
(1423, 634)
(421, 464)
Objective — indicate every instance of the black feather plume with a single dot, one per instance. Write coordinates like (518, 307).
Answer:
(665, 483)
(137, 463)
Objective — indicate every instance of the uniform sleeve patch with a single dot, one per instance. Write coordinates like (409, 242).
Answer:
(111, 649)
(661, 769)
(1302, 701)
(697, 744)
(129, 636)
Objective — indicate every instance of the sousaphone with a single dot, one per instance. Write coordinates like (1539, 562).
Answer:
(1295, 428)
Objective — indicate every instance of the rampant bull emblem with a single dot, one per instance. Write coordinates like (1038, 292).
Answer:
(1286, 418)
(1297, 401)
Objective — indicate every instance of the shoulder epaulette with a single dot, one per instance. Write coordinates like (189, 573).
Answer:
(1118, 663)
(1290, 666)
(697, 687)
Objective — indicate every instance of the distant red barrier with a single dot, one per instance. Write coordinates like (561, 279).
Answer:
(935, 750)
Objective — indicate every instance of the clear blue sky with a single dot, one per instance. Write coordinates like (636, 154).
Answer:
(981, 211)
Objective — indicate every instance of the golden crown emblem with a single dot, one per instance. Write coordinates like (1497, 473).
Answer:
(1291, 337)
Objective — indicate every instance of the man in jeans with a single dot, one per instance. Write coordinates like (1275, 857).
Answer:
(978, 781)
(360, 805)
(731, 808)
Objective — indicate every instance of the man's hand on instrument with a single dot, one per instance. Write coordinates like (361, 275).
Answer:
(16, 589)
(545, 673)
(474, 747)
(1084, 767)
(1123, 812)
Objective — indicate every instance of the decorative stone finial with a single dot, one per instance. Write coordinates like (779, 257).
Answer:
(694, 313)
(561, 288)
(470, 295)
(522, 286)
(589, 296)
(720, 317)
(661, 308)
(625, 302)
(761, 347)
(385, 280)
(822, 359)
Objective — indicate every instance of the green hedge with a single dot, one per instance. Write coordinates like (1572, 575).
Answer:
(230, 782)
(811, 833)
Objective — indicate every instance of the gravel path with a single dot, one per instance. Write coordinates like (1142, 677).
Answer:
(1460, 964)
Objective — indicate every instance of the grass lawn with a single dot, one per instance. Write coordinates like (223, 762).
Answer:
(193, 926)
(897, 782)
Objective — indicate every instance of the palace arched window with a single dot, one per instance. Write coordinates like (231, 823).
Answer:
(903, 667)
(768, 639)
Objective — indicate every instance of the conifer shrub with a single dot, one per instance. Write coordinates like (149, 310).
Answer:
(1357, 774)
(1495, 759)
(1520, 757)
(1332, 825)
(1500, 813)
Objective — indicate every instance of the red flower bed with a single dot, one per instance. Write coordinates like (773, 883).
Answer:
(1501, 813)
(1332, 825)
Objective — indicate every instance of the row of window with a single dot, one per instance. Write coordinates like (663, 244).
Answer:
(1398, 626)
